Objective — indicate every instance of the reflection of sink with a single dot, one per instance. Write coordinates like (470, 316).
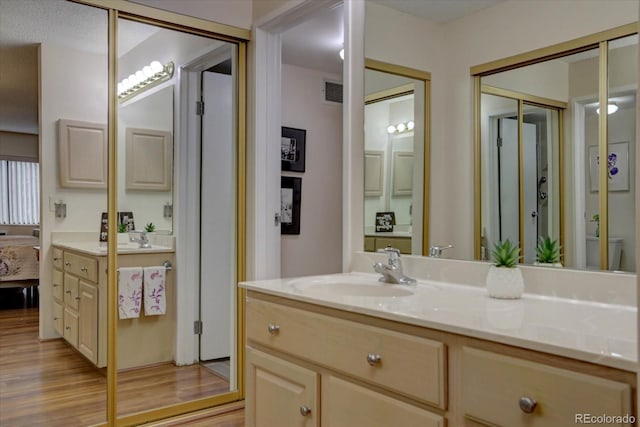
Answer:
(131, 246)
(352, 286)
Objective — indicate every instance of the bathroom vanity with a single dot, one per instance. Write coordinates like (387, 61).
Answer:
(80, 304)
(346, 349)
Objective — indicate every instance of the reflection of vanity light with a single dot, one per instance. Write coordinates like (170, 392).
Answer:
(149, 76)
(401, 127)
(341, 53)
(612, 107)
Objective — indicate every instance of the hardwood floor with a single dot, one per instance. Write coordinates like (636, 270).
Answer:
(51, 384)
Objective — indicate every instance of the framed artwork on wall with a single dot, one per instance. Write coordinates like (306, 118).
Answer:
(292, 149)
(617, 165)
(290, 196)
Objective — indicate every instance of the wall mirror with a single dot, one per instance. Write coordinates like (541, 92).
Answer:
(539, 136)
(75, 52)
(205, 71)
(396, 156)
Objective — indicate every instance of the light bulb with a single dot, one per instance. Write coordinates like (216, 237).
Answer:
(341, 53)
(156, 67)
(133, 80)
(126, 85)
(120, 88)
(391, 129)
(410, 125)
(612, 107)
(401, 127)
(147, 71)
(140, 76)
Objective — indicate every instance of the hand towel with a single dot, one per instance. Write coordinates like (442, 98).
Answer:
(129, 292)
(155, 302)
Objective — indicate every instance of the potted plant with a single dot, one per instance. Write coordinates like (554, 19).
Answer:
(548, 252)
(122, 230)
(150, 228)
(504, 279)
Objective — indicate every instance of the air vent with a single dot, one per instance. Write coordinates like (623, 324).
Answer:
(333, 92)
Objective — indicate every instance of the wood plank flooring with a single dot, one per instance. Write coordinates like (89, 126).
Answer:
(51, 384)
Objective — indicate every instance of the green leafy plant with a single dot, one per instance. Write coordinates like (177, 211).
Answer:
(505, 254)
(596, 219)
(150, 227)
(548, 250)
(122, 228)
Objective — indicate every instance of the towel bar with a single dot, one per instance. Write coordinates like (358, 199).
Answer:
(167, 265)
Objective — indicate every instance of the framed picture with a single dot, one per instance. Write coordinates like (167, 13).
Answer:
(617, 164)
(126, 218)
(290, 196)
(292, 149)
(385, 221)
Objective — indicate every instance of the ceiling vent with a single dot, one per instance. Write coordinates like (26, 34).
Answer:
(333, 91)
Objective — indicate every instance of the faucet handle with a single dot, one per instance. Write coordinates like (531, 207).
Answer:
(436, 251)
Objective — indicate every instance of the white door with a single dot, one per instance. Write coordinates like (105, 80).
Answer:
(217, 216)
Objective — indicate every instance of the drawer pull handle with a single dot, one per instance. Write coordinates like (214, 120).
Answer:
(84, 269)
(68, 328)
(374, 359)
(55, 285)
(67, 292)
(67, 263)
(273, 329)
(305, 410)
(55, 318)
(55, 258)
(527, 404)
(78, 298)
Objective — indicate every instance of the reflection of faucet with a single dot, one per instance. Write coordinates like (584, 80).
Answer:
(142, 241)
(392, 272)
(436, 251)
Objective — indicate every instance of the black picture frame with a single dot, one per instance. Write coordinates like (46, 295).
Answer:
(290, 198)
(385, 222)
(292, 149)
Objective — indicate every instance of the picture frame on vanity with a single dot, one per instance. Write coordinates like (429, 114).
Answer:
(292, 149)
(385, 222)
(290, 198)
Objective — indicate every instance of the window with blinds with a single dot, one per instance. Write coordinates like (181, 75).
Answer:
(19, 193)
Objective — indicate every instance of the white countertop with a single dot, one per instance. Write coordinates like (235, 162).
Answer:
(94, 248)
(594, 332)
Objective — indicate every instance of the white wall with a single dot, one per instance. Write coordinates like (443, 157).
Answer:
(73, 85)
(237, 12)
(318, 248)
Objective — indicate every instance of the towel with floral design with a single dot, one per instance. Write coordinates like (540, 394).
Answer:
(129, 292)
(155, 302)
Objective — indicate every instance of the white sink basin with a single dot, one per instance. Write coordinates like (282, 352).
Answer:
(355, 286)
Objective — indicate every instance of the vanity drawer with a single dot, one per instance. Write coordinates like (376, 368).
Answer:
(57, 258)
(81, 266)
(403, 363)
(57, 285)
(71, 327)
(58, 317)
(495, 387)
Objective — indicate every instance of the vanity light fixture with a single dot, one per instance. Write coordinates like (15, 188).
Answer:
(612, 107)
(401, 127)
(150, 76)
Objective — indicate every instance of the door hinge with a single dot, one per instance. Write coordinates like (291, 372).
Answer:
(197, 327)
(499, 142)
(200, 108)
(277, 219)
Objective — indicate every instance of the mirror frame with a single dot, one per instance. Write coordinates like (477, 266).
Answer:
(598, 40)
(197, 26)
(424, 76)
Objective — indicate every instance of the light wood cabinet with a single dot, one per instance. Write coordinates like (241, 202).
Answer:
(378, 372)
(282, 393)
(82, 154)
(507, 391)
(375, 243)
(80, 310)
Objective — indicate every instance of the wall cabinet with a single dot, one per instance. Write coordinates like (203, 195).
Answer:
(310, 365)
(80, 310)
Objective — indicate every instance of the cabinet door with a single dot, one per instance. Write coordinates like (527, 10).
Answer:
(88, 322)
(280, 393)
(345, 404)
(71, 327)
(71, 285)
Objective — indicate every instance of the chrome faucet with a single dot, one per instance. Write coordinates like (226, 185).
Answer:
(143, 241)
(436, 251)
(392, 271)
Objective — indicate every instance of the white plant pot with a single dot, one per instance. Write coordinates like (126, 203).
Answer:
(548, 264)
(123, 238)
(505, 283)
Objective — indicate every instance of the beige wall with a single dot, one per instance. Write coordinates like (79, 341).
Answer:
(318, 248)
(237, 13)
(18, 146)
